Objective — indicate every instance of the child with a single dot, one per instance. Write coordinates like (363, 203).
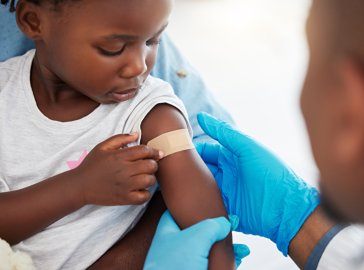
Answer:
(62, 107)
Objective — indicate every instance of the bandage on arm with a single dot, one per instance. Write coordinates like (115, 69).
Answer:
(188, 188)
(172, 142)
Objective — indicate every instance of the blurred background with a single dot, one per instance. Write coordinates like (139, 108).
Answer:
(253, 55)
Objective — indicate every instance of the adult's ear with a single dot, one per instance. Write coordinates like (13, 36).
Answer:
(350, 138)
(28, 19)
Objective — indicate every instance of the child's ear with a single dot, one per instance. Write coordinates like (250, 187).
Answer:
(350, 138)
(28, 19)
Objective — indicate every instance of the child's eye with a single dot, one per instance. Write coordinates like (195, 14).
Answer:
(110, 53)
(153, 42)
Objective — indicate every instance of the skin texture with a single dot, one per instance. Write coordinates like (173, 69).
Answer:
(315, 227)
(92, 52)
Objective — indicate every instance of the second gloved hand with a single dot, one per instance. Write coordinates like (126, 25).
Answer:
(173, 248)
(269, 199)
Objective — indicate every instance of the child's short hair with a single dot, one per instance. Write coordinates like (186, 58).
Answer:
(12, 3)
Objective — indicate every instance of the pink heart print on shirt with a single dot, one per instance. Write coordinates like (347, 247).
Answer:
(73, 164)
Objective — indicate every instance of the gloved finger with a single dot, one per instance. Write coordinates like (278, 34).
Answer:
(224, 133)
(205, 233)
(213, 169)
(234, 220)
(209, 152)
(209, 157)
(200, 147)
(167, 225)
(240, 252)
(215, 172)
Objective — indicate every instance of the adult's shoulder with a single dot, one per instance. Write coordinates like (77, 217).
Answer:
(12, 40)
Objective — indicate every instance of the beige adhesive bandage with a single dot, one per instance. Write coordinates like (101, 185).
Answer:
(172, 142)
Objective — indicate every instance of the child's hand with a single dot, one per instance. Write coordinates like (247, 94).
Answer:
(112, 175)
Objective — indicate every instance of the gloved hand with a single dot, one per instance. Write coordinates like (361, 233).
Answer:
(269, 199)
(173, 248)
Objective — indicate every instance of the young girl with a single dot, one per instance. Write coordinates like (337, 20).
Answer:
(70, 186)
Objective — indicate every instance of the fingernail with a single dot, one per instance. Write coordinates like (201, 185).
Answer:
(160, 154)
(133, 133)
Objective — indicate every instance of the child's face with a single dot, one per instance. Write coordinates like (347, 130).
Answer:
(103, 49)
(326, 106)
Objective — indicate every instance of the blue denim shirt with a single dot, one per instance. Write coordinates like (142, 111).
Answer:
(171, 66)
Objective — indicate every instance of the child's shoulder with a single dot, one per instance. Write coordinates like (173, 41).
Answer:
(13, 69)
(152, 83)
(15, 63)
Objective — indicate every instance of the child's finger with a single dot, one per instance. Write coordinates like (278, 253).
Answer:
(139, 196)
(142, 182)
(209, 152)
(118, 141)
(143, 166)
(141, 152)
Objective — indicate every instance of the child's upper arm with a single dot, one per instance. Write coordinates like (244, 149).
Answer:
(187, 185)
(161, 119)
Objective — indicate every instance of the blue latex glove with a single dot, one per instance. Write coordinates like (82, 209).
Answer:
(173, 248)
(269, 199)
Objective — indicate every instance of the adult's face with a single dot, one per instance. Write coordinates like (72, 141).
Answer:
(330, 95)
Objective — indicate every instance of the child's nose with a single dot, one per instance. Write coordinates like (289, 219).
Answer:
(134, 63)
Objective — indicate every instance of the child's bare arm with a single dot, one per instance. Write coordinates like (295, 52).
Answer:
(27, 211)
(187, 186)
(108, 176)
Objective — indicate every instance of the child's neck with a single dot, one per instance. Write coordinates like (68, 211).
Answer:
(56, 100)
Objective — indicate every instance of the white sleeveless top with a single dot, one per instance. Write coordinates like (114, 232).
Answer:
(33, 148)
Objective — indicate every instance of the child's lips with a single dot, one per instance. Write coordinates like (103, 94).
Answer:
(124, 95)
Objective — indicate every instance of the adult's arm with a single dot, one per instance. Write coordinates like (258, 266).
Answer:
(12, 40)
(324, 244)
(307, 246)
(271, 201)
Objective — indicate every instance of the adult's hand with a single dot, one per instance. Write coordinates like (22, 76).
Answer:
(173, 248)
(269, 199)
